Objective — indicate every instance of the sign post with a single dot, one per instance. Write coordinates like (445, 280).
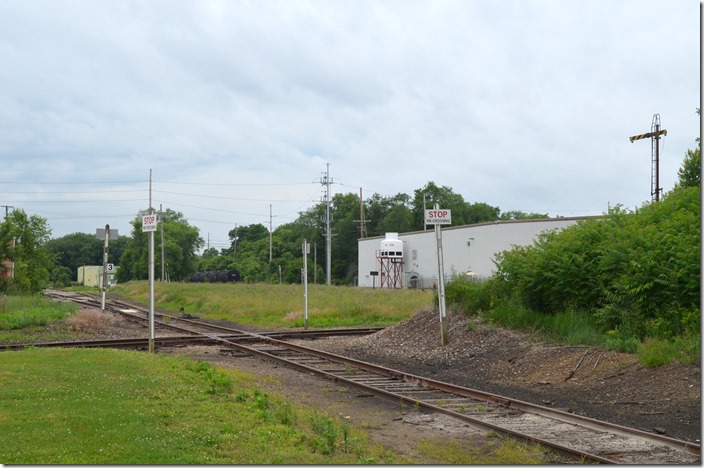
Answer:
(105, 234)
(105, 265)
(373, 274)
(438, 217)
(149, 225)
(306, 251)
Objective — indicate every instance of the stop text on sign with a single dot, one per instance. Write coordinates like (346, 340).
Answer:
(438, 217)
(149, 223)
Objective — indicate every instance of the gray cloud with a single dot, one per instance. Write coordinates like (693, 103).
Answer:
(524, 105)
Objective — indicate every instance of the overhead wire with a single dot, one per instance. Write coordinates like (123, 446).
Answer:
(228, 198)
(58, 216)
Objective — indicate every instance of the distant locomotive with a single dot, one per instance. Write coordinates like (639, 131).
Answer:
(216, 276)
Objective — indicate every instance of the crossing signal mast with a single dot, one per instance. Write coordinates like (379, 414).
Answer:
(654, 135)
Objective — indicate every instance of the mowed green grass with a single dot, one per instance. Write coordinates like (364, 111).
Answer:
(110, 407)
(101, 406)
(115, 407)
(267, 305)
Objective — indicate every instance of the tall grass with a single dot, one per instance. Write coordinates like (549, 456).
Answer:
(267, 305)
(569, 327)
(656, 352)
(19, 312)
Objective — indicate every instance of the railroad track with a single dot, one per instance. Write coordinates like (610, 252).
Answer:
(574, 435)
(189, 324)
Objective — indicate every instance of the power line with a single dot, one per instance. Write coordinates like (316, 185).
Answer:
(231, 184)
(95, 182)
(73, 192)
(230, 198)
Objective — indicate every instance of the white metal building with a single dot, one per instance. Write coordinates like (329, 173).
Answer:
(467, 249)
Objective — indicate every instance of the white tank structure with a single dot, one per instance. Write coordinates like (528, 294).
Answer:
(390, 256)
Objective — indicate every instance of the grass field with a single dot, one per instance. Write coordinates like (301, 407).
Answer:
(97, 406)
(267, 305)
(109, 407)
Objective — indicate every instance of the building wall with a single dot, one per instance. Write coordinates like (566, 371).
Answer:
(467, 249)
(93, 276)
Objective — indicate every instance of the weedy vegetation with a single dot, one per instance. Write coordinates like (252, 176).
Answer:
(21, 317)
(267, 305)
(629, 281)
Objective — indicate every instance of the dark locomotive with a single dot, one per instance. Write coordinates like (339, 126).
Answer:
(216, 276)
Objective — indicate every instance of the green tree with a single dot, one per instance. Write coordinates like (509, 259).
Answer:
(515, 214)
(396, 215)
(180, 246)
(446, 198)
(80, 249)
(23, 241)
(637, 273)
(689, 174)
(252, 252)
(345, 214)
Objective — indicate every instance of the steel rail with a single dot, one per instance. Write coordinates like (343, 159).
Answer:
(650, 448)
(610, 443)
(118, 343)
(140, 315)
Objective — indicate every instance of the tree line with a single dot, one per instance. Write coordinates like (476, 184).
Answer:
(258, 255)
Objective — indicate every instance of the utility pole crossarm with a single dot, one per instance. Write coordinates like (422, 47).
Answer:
(654, 135)
(647, 135)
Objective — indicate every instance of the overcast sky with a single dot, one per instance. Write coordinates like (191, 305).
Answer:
(236, 106)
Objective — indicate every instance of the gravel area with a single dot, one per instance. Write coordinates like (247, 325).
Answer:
(603, 385)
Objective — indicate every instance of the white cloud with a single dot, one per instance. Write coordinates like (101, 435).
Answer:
(525, 105)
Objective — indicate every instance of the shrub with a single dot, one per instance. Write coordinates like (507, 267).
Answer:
(468, 295)
(636, 272)
(90, 320)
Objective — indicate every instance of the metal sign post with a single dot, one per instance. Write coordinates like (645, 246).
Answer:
(105, 265)
(105, 234)
(373, 274)
(149, 223)
(438, 217)
(306, 251)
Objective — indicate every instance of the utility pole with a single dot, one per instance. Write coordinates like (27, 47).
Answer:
(362, 228)
(271, 230)
(654, 135)
(425, 226)
(161, 218)
(12, 263)
(326, 181)
(6, 208)
(234, 246)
